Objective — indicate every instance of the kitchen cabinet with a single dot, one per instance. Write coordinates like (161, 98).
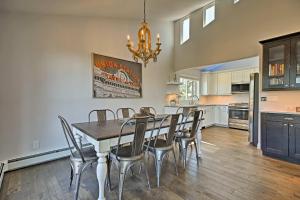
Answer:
(281, 63)
(221, 115)
(224, 83)
(280, 136)
(209, 116)
(212, 114)
(295, 60)
(242, 76)
(209, 84)
(294, 141)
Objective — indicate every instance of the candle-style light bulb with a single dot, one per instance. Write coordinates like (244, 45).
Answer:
(158, 38)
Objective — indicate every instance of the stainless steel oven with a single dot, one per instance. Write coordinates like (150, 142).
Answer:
(239, 116)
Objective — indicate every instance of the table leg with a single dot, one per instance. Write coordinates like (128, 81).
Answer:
(101, 173)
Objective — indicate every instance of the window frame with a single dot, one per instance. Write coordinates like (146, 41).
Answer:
(182, 29)
(205, 8)
(197, 90)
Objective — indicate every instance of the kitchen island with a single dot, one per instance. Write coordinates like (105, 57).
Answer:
(214, 114)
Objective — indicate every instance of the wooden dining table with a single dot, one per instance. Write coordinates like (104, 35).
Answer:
(104, 135)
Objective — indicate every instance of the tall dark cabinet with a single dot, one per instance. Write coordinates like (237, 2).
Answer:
(281, 63)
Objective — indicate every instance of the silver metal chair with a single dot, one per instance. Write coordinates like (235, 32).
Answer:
(185, 111)
(80, 157)
(184, 139)
(148, 110)
(102, 114)
(125, 113)
(126, 156)
(161, 147)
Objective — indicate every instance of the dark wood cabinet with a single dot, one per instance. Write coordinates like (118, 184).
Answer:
(280, 134)
(294, 141)
(281, 63)
(295, 63)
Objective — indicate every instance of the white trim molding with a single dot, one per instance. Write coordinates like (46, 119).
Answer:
(3, 168)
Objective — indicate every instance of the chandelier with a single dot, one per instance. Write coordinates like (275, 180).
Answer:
(144, 50)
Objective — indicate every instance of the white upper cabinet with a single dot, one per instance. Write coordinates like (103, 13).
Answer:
(209, 84)
(219, 83)
(213, 84)
(224, 83)
(242, 76)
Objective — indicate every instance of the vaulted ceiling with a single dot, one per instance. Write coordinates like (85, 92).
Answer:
(124, 9)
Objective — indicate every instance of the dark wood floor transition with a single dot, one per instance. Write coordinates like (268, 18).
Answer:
(230, 169)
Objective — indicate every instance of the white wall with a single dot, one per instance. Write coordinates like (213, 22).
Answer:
(236, 32)
(46, 70)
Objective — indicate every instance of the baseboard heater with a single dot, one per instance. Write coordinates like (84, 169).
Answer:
(35, 159)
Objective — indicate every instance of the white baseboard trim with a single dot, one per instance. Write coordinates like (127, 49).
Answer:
(3, 168)
(37, 159)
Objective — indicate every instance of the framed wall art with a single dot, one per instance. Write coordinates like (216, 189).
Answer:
(116, 78)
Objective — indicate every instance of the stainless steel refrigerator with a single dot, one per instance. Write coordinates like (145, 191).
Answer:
(253, 108)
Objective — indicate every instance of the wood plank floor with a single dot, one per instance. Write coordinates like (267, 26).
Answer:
(230, 169)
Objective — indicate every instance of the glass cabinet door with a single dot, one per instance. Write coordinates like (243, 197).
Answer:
(276, 65)
(295, 63)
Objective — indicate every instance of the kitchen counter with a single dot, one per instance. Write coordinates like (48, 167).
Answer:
(282, 112)
(198, 105)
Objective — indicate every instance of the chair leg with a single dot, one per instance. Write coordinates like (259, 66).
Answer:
(175, 162)
(108, 173)
(122, 173)
(197, 155)
(71, 177)
(78, 176)
(184, 153)
(146, 172)
(158, 162)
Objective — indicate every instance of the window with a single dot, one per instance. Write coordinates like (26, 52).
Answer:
(208, 14)
(235, 1)
(189, 88)
(185, 30)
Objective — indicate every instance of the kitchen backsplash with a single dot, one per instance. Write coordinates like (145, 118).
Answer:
(285, 101)
(235, 98)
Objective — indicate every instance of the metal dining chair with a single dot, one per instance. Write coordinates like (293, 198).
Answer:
(184, 139)
(125, 113)
(185, 111)
(159, 147)
(148, 110)
(80, 158)
(102, 114)
(126, 156)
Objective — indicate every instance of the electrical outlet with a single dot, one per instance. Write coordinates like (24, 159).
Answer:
(35, 144)
(263, 98)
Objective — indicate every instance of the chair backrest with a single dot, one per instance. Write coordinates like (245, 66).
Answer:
(148, 110)
(70, 137)
(137, 144)
(197, 118)
(172, 129)
(102, 114)
(125, 113)
(186, 110)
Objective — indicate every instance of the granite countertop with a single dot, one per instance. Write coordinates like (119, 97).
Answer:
(282, 112)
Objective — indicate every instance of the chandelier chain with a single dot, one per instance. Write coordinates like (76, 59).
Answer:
(144, 11)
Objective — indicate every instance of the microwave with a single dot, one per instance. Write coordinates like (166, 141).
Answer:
(240, 88)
